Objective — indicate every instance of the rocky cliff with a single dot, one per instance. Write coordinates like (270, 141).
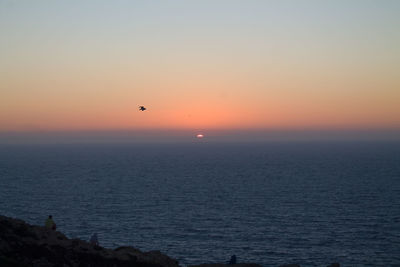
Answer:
(22, 244)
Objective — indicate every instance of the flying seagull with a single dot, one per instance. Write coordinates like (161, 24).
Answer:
(142, 108)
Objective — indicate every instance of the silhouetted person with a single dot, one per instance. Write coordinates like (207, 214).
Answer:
(50, 223)
(94, 240)
(232, 260)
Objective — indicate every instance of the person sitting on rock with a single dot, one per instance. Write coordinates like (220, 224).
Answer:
(232, 260)
(50, 223)
(94, 240)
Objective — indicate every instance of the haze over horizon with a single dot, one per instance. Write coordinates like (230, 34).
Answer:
(222, 68)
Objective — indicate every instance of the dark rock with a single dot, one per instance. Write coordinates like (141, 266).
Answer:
(22, 244)
(334, 265)
(290, 265)
(227, 265)
(97, 247)
(151, 256)
(75, 242)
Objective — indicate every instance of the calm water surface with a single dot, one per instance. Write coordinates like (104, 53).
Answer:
(305, 203)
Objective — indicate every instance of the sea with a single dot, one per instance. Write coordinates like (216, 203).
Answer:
(271, 203)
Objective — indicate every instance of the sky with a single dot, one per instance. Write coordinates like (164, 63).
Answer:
(199, 66)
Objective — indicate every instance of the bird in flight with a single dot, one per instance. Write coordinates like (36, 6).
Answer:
(142, 108)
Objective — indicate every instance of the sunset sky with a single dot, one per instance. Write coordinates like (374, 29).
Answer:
(199, 65)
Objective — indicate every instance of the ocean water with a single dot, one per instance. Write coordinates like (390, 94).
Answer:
(268, 203)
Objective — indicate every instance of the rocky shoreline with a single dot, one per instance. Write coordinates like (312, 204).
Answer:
(22, 244)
